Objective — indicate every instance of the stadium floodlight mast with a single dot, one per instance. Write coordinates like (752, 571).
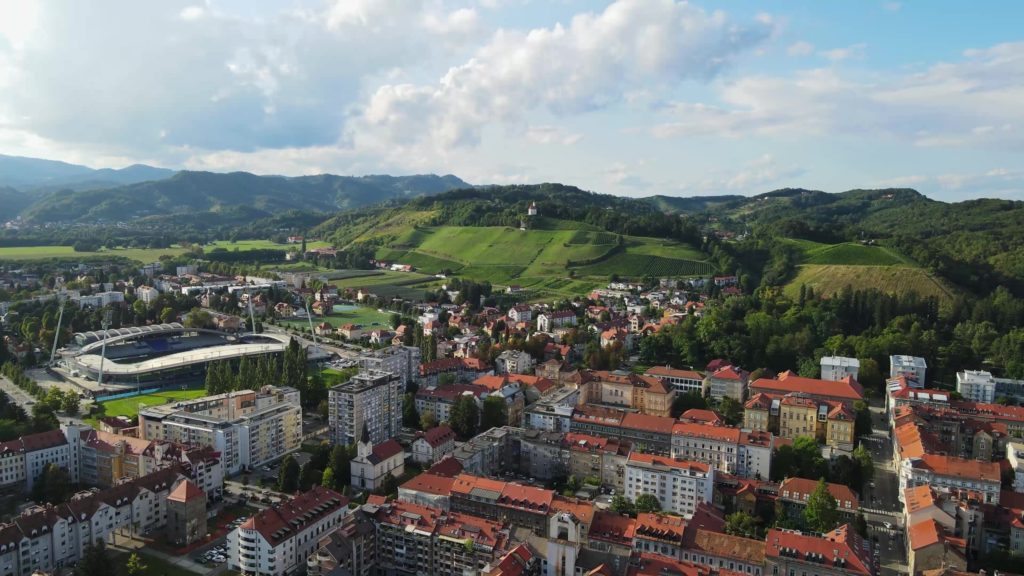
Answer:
(309, 318)
(56, 333)
(103, 349)
(252, 315)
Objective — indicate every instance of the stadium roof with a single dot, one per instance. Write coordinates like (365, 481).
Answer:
(180, 359)
(84, 338)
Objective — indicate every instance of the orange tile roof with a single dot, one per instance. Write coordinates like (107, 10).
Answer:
(962, 468)
(186, 491)
(662, 527)
(847, 389)
(669, 462)
(492, 382)
(430, 484)
(919, 498)
(720, 433)
(647, 564)
(466, 483)
(514, 563)
(726, 546)
(924, 534)
(730, 372)
(801, 489)
(648, 423)
(706, 416)
(663, 371)
(526, 497)
(840, 544)
(612, 527)
(581, 509)
(760, 401)
(276, 524)
(482, 531)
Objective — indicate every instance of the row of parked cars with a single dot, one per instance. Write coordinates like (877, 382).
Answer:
(215, 555)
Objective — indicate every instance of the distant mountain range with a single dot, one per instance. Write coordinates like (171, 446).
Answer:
(41, 191)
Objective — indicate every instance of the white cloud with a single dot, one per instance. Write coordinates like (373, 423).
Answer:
(800, 48)
(588, 65)
(552, 135)
(840, 54)
(755, 176)
(995, 182)
(972, 102)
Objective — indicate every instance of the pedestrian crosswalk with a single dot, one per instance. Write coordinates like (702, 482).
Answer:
(879, 512)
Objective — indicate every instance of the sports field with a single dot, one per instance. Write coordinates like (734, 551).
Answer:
(130, 406)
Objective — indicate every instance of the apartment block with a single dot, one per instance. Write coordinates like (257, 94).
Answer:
(372, 398)
(679, 485)
(402, 361)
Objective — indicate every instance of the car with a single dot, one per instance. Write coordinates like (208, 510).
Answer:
(872, 484)
(888, 525)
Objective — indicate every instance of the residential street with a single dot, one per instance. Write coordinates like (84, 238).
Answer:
(881, 503)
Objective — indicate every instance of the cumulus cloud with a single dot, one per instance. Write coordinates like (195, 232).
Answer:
(754, 176)
(800, 49)
(587, 65)
(996, 182)
(840, 54)
(971, 102)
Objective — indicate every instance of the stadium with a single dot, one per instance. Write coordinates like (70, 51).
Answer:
(161, 354)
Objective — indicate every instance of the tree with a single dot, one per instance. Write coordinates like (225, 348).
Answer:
(428, 420)
(862, 419)
(167, 314)
(731, 410)
(647, 503)
(308, 476)
(70, 403)
(821, 513)
(135, 566)
(327, 480)
(95, 561)
(862, 456)
(688, 401)
(465, 415)
(742, 524)
(341, 464)
(494, 414)
(621, 505)
(288, 477)
(410, 417)
(860, 524)
(803, 459)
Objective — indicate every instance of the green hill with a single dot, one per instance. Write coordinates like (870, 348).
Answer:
(237, 196)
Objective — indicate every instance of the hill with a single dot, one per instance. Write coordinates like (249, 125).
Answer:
(48, 175)
(830, 279)
(237, 196)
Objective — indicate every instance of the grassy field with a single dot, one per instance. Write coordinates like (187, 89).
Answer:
(380, 278)
(363, 316)
(130, 406)
(850, 254)
(830, 279)
(143, 255)
(540, 258)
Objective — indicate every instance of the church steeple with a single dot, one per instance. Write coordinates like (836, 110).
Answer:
(364, 447)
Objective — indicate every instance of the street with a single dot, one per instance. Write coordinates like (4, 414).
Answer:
(880, 503)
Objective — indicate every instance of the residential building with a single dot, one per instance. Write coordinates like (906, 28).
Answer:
(847, 391)
(428, 489)
(371, 399)
(679, 485)
(349, 550)
(840, 552)
(644, 432)
(914, 369)
(461, 369)
(1015, 456)
(620, 389)
(723, 551)
(717, 446)
(432, 445)
(597, 457)
(514, 362)
(374, 463)
(548, 321)
(543, 455)
(660, 534)
(493, 452)
(186, 514)
(520, 313)
(942, 471)
(247, 428)
(402, 361)
(52, 538)
(922, 504)
(838, 368)
(795, 492)
(931, 547)
(728, 381)
(43, 449)
(682, 381)
(278, 540)
(982, 386)
(147, 294)
(493, 499)
(761, 413)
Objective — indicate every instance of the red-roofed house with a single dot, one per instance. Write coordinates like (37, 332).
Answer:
(647, 394)
(847, 390)
(698, 416)
(683, 381)
(277, 540)
(432, 445)
(794, 493)
(728, 381)
(930, 546)
(838, 553)
(428, 489)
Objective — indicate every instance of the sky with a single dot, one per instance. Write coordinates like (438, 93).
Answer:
(629, 97)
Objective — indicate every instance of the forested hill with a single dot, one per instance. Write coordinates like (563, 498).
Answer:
(205, 192)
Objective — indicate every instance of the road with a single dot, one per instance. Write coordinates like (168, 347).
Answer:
(26, 401)
(880, 501)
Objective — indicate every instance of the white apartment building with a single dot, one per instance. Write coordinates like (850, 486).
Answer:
(982, 386)
(730, 450)
(914, 369)
(683, 381)
(147, 294)
(514, 362)
(248, 428)
(679, 485)
(836, 368)
(372, 398)
(548, 321)
(43, 449)
(942, 471)
(48, 538)
(402, 361)
(278, 540)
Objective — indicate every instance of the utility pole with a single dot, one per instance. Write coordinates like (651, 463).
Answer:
(56, 334)
(252, 316)
(103, 349)
(309, 317)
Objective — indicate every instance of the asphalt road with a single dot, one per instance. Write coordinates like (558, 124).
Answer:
(881, 503)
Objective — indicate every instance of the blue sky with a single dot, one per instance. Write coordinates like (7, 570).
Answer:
(632, 97)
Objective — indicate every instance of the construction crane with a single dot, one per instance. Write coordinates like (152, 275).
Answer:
(56, 333)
